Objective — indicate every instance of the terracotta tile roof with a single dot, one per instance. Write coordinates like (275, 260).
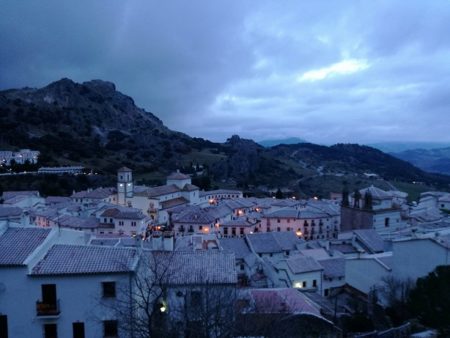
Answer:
(333, 267)
(190, 187)
(201, 267)
(174, 202)
(193, 215)
(10, 211)
(159, 191)
(286, 300)
(178, 176)
(16, 244)
(302, 264)
(124, 169)
(83, 259)
(236, 246)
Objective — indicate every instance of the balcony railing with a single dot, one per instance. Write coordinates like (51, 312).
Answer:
(44, 309)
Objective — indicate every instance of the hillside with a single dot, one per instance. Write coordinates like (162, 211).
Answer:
(94, 125)
(431, 160)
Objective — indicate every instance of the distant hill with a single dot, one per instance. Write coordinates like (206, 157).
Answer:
(95, 125)
(275, 142)
(431, 160)
(395, 147)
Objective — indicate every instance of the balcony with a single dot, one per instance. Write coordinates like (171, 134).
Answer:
(47, 310)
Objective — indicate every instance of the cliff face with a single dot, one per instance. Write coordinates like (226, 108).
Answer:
(88, 121)
(95, 125)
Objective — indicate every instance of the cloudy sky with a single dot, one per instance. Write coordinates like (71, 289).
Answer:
(325, 71)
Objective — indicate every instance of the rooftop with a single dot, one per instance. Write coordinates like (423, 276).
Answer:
(273, 242)
(236, 246)
(16, 244)
(178, 176)
(301, 264)
(158, 191)
(333, 267)
(200, 267)
(82, 259)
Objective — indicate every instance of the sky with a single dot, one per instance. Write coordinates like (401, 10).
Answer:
(325, 71)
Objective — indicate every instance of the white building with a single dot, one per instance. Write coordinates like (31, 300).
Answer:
(20, 157)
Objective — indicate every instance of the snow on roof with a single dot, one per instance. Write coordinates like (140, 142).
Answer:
(83, 259)
(16, 244)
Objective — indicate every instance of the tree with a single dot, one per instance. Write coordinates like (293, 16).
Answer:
(140, 305)
(278, 194)
(430, 300)
(356, 198)
(345, 195)
(207, 311)
(395, 294)
(368, 201)
(157, 302)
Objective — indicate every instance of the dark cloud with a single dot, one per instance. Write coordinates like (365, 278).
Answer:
(329, 72)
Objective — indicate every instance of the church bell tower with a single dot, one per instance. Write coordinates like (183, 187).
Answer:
(125, 185)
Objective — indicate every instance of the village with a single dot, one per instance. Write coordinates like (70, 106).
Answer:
(172, 259)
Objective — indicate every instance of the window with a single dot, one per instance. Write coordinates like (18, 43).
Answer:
(110, 328)
(3, 326)
(287, 252)
(241, 266)
(326, 292)
(225, 231)
(78, 330)
(278, 220)
(121, 223)
(242, 231)
(50, 331)
(133, 224)
(278, 229)
(233, 231)
(314, 283)
(303, 284)
(110, 220)
(109, 289)
(196, 299)
(386, 222)
(105, 220)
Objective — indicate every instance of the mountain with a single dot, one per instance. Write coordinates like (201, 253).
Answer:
(275, 142)
(90, 123)
(431, 160)
(93, 124)
(396, 147)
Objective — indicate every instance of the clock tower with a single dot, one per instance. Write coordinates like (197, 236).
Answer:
(125, 185)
